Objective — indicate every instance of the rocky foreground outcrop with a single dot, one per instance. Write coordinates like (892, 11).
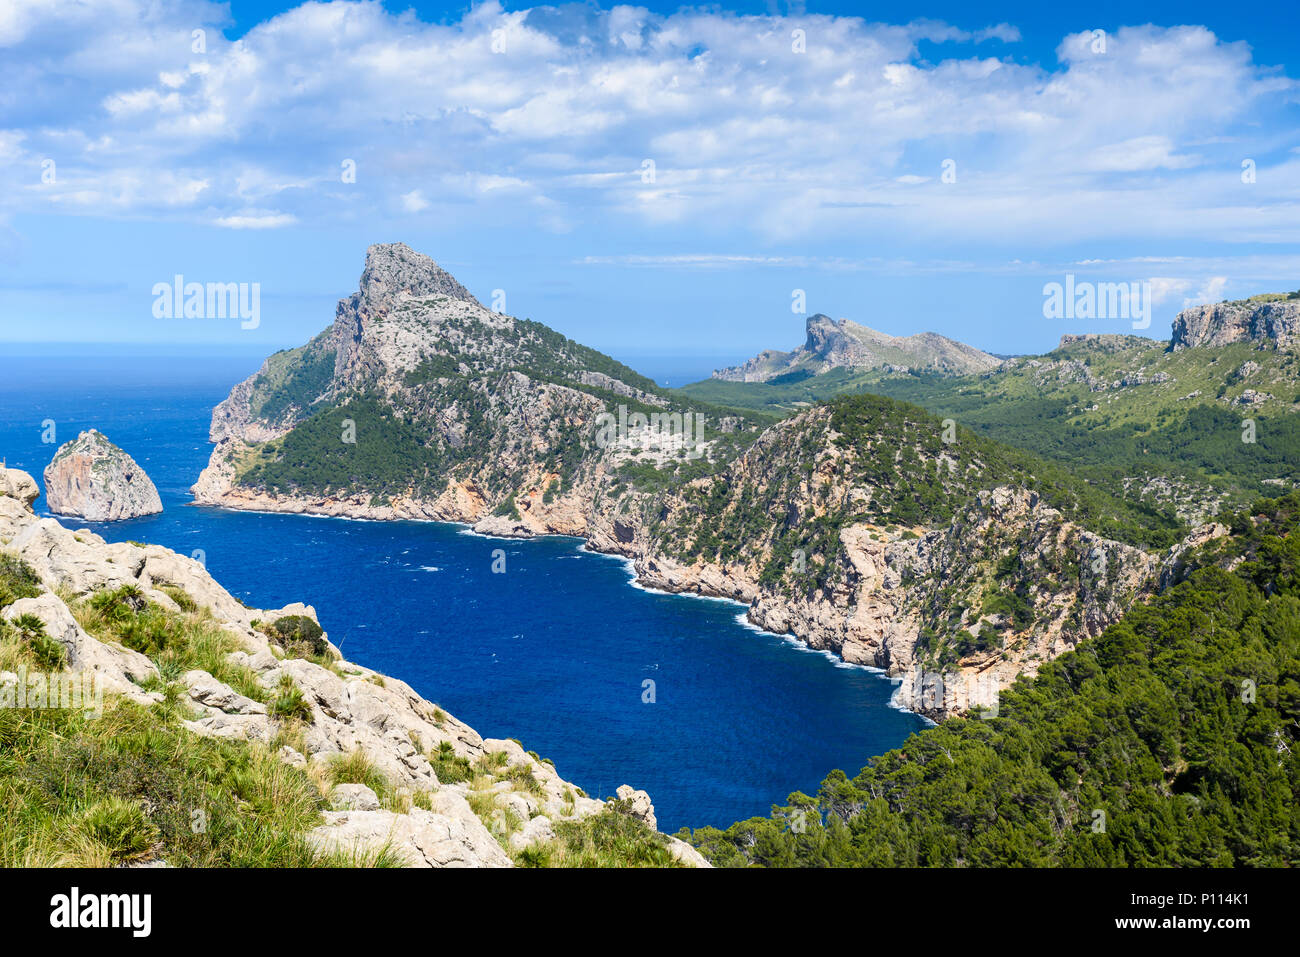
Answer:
(348, 707)
(92, 478)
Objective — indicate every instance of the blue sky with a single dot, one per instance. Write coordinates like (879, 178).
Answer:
(512, 144)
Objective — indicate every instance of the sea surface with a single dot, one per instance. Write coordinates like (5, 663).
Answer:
(555, 652)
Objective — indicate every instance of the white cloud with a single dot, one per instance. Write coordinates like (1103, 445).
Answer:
(1194, 292)
(414, 201)
(1139, 153)
(256, 221)
(847, 139)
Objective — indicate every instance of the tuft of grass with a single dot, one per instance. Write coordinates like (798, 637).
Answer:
(536, 855)
(182, 598)
(43, 650)
(450, 767)
(289, 703)
(612, 838)
(356, 767)
(521, 778)
(17, 579)
(134, 784)
(121, 827)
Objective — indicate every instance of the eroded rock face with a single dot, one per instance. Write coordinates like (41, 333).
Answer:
(1224, 323)
(93, 479)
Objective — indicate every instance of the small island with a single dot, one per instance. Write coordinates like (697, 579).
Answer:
(92, 478)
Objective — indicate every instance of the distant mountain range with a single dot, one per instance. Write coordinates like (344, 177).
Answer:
(842, 344)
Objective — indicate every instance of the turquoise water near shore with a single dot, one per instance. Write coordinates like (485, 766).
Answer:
(555, 652)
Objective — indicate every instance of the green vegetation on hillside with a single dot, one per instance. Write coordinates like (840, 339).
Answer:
(293, 380)
(388, 455)
(1170, 740)
(134, 785)
(1113, 409)
(897, 452)
(17, 579)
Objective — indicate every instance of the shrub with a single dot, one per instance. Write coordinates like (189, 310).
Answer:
(301, 631)
(121, 826)
(47, 652)
(289, 703)
(17, 580)
(612, 838)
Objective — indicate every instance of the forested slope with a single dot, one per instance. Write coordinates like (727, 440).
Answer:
(1170, 740)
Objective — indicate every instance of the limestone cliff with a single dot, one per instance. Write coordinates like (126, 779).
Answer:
(810, 530)
(92, 478)
(1266, 319)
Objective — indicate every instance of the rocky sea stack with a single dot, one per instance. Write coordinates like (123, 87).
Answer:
(92, 478)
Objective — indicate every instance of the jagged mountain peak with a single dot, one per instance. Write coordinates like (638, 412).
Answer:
(841, 343)
(395, 268)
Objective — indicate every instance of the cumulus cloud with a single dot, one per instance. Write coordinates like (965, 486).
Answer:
(549, 116)
(414, 201)
(1191, 292)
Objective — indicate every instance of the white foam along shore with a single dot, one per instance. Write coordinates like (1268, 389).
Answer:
(584, 547)
(742, 619)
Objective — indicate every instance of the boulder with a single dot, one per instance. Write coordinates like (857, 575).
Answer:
(639, 805)
(353, 797)
(419, 838)
(15, 483)
(537, 830)
(209, 693)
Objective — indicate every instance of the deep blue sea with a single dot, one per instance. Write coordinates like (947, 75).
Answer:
(554, 652)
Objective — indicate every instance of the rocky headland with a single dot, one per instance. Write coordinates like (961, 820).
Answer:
(950, 601)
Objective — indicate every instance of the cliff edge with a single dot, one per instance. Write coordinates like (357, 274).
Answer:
(140, 620)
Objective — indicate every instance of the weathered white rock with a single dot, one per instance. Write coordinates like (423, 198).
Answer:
(94, 479)
(638, 804)
(17, 484)
(683, 852)
(419, 839)
(353, 797)
(241, 727)
(210, 693)
(536, 830)
(294, 759)
(120, 669)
